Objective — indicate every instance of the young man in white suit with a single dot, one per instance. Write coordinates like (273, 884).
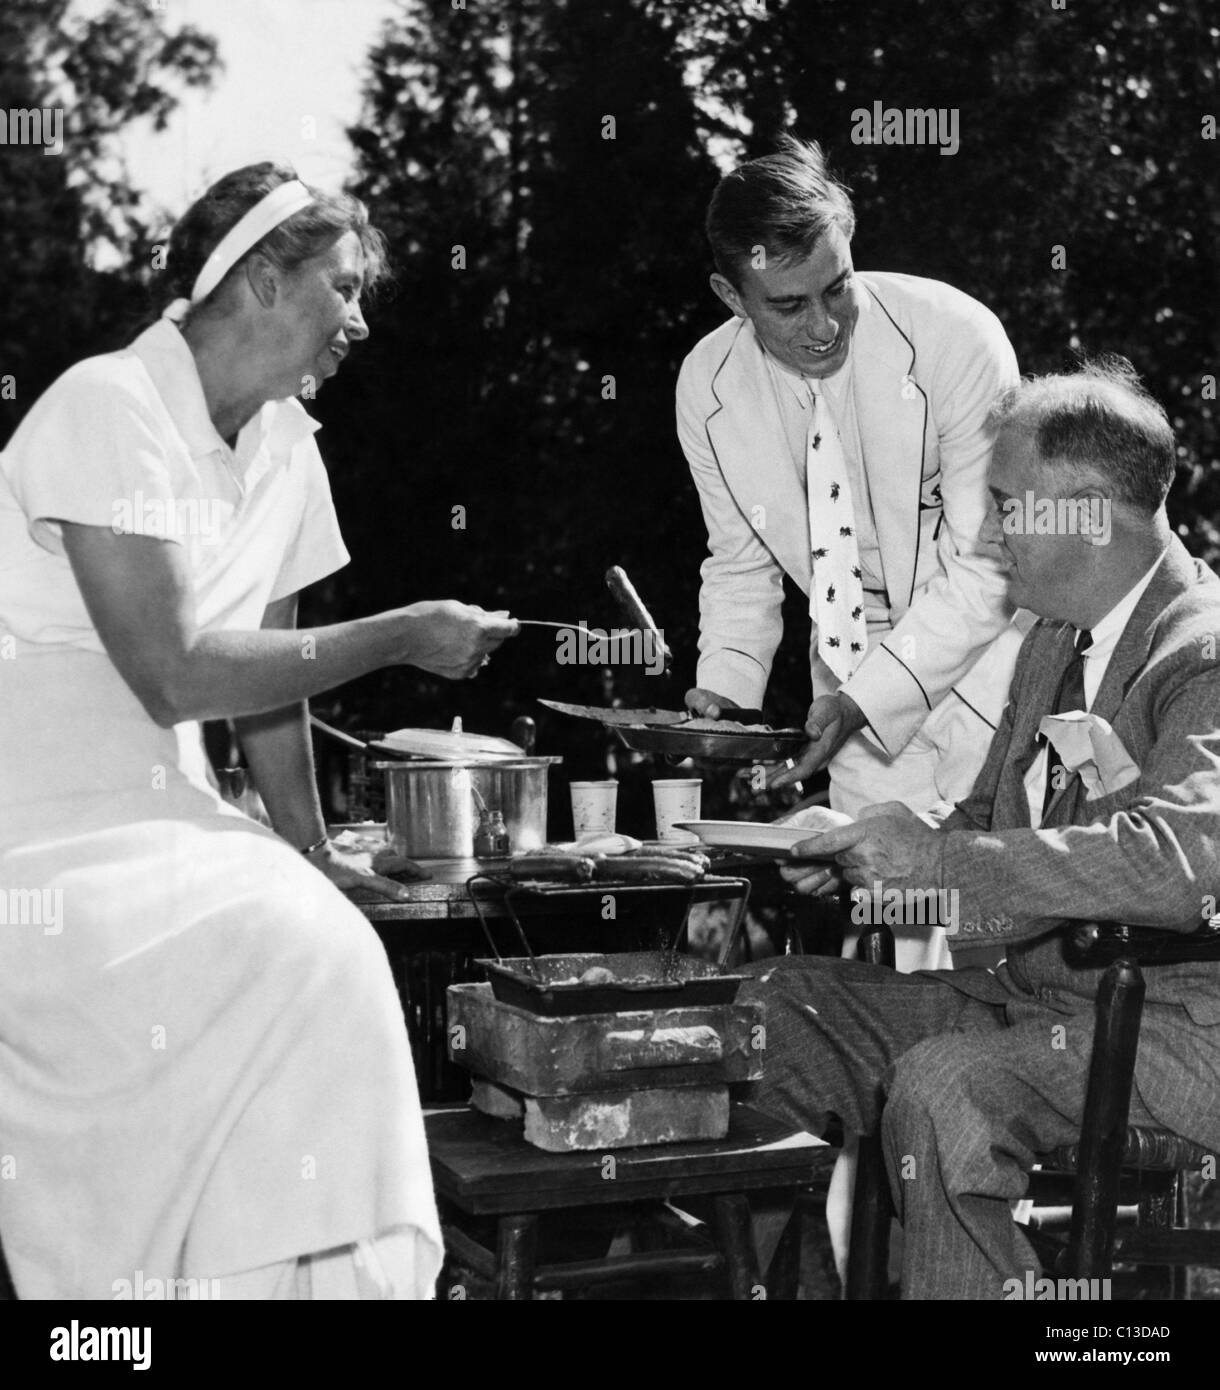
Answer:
(836, 429)
(847, 413)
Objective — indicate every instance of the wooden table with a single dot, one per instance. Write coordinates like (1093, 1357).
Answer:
(484, 1168)
(444, 896)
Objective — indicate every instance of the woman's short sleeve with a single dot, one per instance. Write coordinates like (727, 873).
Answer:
(96, 449)
(318, 548)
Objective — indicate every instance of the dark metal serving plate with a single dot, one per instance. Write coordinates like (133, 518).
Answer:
(608, 715)
(717, 745)
(549, 985)
(615, 715)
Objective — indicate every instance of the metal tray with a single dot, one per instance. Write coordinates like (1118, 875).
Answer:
(641, 981)
(729, 746)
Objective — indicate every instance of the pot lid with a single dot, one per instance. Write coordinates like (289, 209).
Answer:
(505, 763)
(446, 744)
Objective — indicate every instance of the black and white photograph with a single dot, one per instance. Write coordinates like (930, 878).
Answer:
(608, 667)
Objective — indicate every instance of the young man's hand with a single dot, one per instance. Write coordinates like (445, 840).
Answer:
(706, 704)
(832, 721)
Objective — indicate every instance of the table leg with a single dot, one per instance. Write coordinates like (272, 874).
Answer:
(783, 1277)
(871, 1215)
(736, 1237)
(516, 1246)
(7, 1291)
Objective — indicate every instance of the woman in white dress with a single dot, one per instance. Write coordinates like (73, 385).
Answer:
(204, 1071)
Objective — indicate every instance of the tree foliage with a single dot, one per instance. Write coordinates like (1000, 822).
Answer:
(538, 171)
(59, 213)
(1082, 127)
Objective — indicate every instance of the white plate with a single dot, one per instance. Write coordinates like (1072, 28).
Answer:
(748, 837)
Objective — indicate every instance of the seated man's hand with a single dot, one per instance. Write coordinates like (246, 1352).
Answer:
(706, 704)
(888, 843)
(832, 721)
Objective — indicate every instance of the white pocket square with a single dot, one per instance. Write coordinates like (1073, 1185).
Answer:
(1088, 745)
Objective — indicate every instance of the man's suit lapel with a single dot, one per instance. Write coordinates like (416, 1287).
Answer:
(892, 412)
(1175, 574)
(748, 439)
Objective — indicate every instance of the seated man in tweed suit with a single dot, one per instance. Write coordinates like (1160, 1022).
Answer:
(982, 1070)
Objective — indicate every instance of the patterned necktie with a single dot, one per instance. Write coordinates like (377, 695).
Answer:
(836, 600)
(1070, 696)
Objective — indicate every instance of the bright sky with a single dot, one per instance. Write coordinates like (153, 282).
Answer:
(293, 70)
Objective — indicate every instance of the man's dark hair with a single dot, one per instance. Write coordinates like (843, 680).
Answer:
(1099, 420)
(782, 203)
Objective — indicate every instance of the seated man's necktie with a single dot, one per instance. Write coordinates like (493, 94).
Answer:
(1069, 697)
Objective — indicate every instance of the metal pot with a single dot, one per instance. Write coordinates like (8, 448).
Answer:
(432, 808)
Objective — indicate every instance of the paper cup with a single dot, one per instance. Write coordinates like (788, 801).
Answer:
(677, 798)
(593, 807)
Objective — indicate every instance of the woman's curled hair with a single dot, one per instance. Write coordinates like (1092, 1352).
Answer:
(297, 239)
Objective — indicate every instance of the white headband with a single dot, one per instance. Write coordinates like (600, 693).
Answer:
(267, 214)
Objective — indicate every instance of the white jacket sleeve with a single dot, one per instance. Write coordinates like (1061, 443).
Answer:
(740, 623)
(965, 605)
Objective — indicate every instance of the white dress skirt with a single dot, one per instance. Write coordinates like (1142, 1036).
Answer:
(204, 1069)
